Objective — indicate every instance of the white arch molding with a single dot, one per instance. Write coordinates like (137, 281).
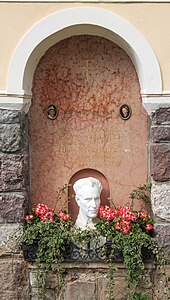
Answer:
(82, 20)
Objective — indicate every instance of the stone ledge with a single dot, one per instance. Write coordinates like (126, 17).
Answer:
(99, 266)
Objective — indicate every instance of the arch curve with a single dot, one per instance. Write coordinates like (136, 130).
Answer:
(80, 20)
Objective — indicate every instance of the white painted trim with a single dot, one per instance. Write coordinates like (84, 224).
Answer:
(166, 93)
(15, 103)
(18, 102)
(3, 92)
(145, 61)
(88, 1)
(153, 102)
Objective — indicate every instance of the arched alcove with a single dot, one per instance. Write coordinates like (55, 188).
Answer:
(82, 20)
(76, 21)
(87, 78)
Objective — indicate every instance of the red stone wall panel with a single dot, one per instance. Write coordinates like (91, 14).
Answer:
(88, 78)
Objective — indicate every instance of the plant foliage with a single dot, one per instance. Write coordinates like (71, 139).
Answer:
(127, 230)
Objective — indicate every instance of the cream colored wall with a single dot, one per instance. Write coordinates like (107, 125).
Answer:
(152, 20)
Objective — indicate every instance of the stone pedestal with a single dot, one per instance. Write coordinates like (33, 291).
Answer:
(89, 281)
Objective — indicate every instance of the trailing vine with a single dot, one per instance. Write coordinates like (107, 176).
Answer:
(142, 192)
(119, 229)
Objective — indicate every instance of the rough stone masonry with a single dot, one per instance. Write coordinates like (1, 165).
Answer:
(14, 198)
(14, 190)
(160, 172)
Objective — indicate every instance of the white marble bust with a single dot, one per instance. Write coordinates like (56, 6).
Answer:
(87, 196)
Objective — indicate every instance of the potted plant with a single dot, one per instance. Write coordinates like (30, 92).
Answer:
(46, 233)
(121, 234)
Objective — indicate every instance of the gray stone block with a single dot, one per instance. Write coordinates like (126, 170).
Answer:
(24, 135)
(10, 116)
(10, 238)
(160, 134)
(119, 288)
(12, 207)
(161, 116)
(163, 234)
(13, 280)
(13, 172)
(160, 162)
(10, 137)
(80, 290)
(160, 197)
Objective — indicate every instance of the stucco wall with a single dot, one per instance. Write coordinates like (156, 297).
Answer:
(152, 20)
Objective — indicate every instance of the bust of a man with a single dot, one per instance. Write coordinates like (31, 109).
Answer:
(87, 196)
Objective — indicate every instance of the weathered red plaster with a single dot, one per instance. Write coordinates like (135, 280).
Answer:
(88, 78)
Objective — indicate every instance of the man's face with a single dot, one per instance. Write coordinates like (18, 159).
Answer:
(88, 200)
(125, 112)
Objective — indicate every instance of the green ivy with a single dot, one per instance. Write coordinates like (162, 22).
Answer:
(139, 296)
(53, 236)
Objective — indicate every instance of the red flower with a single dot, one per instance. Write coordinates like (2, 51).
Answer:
(124, 217)
(44, 212)
(107, 212)
(149, 226)
(63, 216)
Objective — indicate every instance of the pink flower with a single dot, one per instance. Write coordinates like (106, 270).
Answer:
(117, 226)
(44, 218)
(126, 229)
(149, 226)
(143, 215)
(29, 217)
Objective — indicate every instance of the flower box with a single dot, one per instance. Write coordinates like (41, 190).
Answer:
(74, 253)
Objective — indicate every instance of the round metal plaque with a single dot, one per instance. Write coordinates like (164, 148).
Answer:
(125, 112)
(51, 112)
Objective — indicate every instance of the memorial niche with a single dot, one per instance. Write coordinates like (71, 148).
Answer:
(87, 78)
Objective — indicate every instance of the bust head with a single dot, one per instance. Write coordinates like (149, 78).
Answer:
(87, 192)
